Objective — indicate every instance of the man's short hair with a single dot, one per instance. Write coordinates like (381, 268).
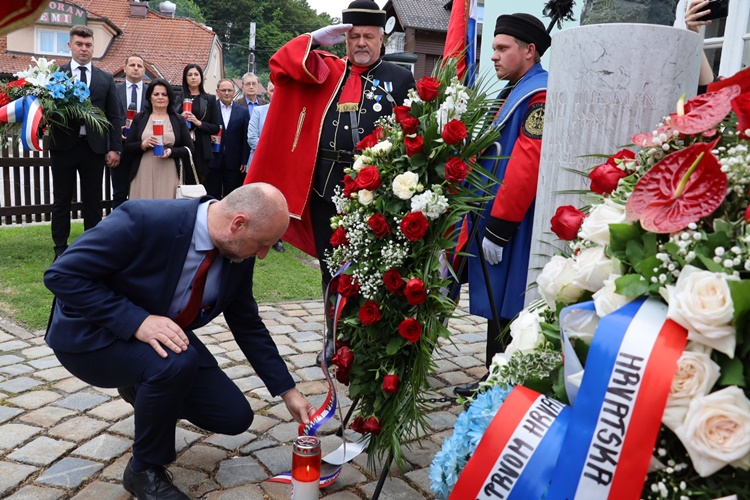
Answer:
(127, 59)
(248, 75)
(82, 31)
(218, 84)
(524, 45)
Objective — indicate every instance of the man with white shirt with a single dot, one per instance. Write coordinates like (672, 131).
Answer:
(129, 92)
(76, 149)
(227, 169)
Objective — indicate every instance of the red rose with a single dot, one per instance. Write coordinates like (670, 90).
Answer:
(393, 281)
(368, 178)
(369, 313)
(454, 132)
(338, 237)
(342, 376)
(350, 185)
(348, 286)
(372, 425)
(414, 226)
(410, 329)
(344, 358)
(566, 222)
(623, 154)
(409, 125)
(414, 292)
(358, 424)
(455, 170)
(427, 88)
(413, 145)
(379, 225)
(747, 216)
(604, 178)
(390, 384)
(401, 112)
(333, 286)
(370, 140)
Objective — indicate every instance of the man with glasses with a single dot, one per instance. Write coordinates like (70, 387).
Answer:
(250, 99)
(227, 169)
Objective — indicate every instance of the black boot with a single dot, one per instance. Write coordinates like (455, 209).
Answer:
(152, 484)
(467, 391)
(329, 341)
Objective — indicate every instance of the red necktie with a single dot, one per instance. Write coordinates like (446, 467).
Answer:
(352, 92)
(193, 306)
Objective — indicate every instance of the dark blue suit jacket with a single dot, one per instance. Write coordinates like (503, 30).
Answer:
(235, 150)
(127, 267)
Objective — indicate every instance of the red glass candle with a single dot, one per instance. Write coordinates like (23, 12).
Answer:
(306, 468)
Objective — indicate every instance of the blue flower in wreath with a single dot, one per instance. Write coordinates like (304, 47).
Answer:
(56, 90)
(81, 91)
(59, 76)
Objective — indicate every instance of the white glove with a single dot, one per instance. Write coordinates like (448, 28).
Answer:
(330, 35)
(493, 253)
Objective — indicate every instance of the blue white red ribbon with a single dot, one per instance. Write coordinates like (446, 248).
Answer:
(615, 420)
(516, 457)
(28, 111)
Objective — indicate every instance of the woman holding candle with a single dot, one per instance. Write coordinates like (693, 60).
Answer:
(158, 129)
(202, 115)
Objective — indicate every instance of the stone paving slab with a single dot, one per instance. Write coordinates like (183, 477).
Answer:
(63, 439)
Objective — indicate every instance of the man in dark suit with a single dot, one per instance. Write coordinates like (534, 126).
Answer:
(81, 149)
(250, 99)
(227, 169)
(129, 294)
(131, 91)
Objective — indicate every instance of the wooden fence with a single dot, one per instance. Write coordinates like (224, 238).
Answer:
(26, 186)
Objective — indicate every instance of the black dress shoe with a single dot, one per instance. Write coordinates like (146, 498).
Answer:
(468, 390)
(151, 484)
(128, 394)
(58, 252)
(279, 247)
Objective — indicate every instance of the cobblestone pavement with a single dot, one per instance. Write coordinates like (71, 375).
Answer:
(61, 438)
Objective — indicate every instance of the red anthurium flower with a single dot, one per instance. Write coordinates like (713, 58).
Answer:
(428, 87)
(741, 78)
(455, 170)
(348, 286)
(338, 237)
(410, 329)
(401, 112)
(566, 222)
(414, 292)
(344, 358)
(393, 281)
(369, 313)
(414, 145)
(370, 140)
(372, 425)
(414, 226)
(684, 187)
(379, 225)
(454, 132)
(390, 384)
(604, 178)
(368, 178)
(358, 424)
(741, 106)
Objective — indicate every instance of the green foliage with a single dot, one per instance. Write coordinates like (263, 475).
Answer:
(185, 8)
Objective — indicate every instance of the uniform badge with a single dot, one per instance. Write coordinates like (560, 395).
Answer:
(388, 86)
(533, 122)
(377, 107)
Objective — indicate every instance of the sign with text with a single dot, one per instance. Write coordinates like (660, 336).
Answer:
(62, 13)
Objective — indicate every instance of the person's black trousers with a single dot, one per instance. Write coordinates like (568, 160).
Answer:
(120, 183)
(166, 390)
(220, 181)
(65, 165)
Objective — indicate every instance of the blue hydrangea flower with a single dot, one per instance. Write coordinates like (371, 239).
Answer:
(56, 90)
(59, 76)
(81, 91)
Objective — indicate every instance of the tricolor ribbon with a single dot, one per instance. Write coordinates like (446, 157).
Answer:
(28, 111)
(617, 413)
(517, 454)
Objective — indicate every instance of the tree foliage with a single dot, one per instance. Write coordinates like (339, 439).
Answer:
(185, 8)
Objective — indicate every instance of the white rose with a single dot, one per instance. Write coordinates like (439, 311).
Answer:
(701, 302)
(696, 375)
(716, 431)
(556, 282)
(595, 226)
(525, 332)
(361, 162)
(381, 147)
(365, 197)
(591, 268)
(606, 300)
(404, 185)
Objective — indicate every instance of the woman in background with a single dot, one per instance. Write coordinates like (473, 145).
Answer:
(157, 177)
(203, 119)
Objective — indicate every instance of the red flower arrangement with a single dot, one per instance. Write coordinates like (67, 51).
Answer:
(567, 222)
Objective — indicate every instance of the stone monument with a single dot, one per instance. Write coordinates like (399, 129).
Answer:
(606, 83)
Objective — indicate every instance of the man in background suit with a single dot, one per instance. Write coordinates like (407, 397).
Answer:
(79, 149)
(125, 316)
(227, 169)
(250, 99)
(130, 91)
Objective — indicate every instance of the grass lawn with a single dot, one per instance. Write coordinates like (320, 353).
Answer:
(26, 252)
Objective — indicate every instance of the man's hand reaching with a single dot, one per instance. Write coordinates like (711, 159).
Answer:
(299, 408)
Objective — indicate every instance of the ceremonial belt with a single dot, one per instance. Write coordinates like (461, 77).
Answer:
(337, 156)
